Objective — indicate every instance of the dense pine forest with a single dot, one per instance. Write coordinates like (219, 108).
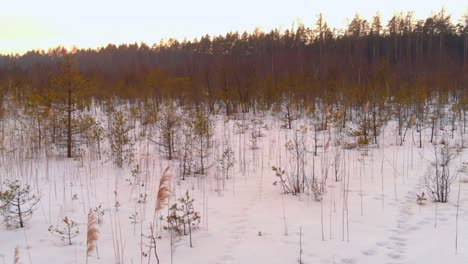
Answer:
(371, 60)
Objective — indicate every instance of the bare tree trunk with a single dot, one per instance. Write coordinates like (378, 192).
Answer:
(20, 214)
(69, 116)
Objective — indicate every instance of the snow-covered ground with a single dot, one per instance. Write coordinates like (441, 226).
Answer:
(249, 220)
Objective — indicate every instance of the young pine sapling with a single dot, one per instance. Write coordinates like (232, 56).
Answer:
(68, 231)
(17, 203)
(182, 217)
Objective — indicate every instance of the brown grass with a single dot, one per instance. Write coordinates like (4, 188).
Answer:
(17, 256)
(163, 190)
(93, 233)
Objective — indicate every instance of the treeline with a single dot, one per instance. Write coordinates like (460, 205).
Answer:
(369, 61)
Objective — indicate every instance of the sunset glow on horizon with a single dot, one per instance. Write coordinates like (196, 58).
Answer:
(40, 25)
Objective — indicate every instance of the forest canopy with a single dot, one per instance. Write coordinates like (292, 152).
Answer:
(370, 59)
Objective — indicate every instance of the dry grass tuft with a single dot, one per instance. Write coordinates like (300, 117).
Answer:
(17, 255)
(163, 190)
(93, 233)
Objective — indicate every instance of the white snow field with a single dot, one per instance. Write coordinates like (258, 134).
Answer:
(370, 215)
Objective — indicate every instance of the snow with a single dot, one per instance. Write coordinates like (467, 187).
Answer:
(245, 222)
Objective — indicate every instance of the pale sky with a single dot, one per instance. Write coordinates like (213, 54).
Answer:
(42, 24)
